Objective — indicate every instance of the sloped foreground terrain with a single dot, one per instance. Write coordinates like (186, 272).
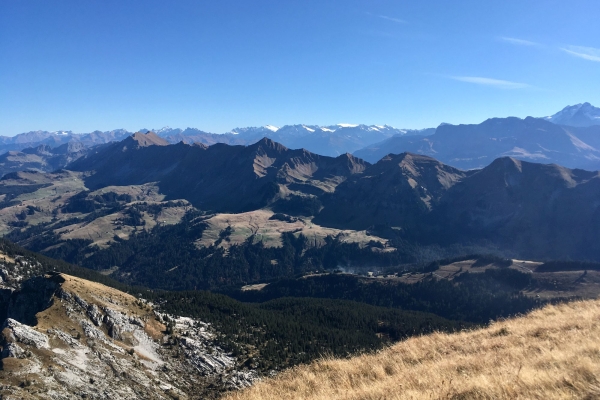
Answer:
(551, 353)
(97, 342)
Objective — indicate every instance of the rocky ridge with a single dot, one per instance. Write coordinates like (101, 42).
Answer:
(85, 340)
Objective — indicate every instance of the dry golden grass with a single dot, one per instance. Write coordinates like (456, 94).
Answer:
(552, 353)
(269, 231)
(93, 293)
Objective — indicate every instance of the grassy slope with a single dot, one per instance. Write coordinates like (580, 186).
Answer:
(550, 353)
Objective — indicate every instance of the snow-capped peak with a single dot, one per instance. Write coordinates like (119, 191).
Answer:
(582, 114)
(272, 128)
(348, 125)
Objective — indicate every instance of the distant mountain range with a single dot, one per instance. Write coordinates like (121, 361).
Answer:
(325, 140)
(41, 158)
(475, 146)
(569, 138)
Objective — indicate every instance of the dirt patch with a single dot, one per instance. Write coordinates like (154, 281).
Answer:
(260, 225)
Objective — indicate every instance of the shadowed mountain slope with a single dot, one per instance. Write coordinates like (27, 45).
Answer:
(399, 190)
(219, 177)
(544, 209)
(534, 210)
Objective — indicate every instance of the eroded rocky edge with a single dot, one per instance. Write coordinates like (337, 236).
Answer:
(92, 341)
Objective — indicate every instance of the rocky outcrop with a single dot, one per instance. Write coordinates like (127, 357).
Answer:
(13, 331)
(91, 341)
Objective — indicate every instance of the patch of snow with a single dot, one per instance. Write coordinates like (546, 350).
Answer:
(270, 127)
(307, 128)
(327, 129)
(348, 125)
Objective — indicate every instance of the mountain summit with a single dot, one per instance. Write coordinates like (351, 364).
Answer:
(583, 114)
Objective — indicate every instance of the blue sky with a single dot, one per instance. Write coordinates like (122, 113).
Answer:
(216, 65)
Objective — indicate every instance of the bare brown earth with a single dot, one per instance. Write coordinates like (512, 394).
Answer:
(259, 224)
(552, 353)
(102, 230)
(55, 190)
(49, 193)
(58, 188)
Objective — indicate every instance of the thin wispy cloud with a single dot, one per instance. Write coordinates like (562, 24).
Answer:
(388, 18)
(497, 83)
(396, 20)
(518, 42)
(587, 53)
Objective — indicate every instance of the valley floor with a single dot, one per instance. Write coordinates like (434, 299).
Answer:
(551, 353)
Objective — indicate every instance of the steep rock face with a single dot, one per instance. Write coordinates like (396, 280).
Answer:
(219, 177)
(399, 190)
(92, 341)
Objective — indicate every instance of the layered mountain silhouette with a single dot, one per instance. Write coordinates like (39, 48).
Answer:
(475, 146)
(55, 139)
(220, 177)
(574, 144)
(539, 209)
(331, 140)
(399, 190)
(42, 158)
(542, 210)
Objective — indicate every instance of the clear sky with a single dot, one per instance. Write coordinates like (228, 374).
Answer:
(83, 65)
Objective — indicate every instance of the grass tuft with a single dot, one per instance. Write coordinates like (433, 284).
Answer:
(551, 353)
